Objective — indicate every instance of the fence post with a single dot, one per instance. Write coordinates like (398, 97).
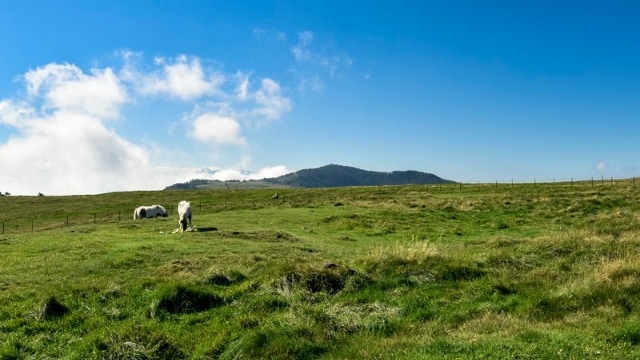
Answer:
(3, 227)
(592, 181)
(119, 214)
(67, 220)
(31, 225)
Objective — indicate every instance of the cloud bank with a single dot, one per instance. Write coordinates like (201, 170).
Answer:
(62, 134)
(84, 131)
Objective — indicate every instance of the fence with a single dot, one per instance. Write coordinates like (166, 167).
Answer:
(295, 198)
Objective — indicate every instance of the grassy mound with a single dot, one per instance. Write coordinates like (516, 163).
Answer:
(185, 299)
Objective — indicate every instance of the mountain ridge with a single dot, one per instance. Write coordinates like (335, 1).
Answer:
(331, 175)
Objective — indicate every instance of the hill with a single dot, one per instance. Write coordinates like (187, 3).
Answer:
(338, 176)
(491, 271)
(325, 176)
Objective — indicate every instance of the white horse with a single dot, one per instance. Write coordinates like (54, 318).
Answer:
(184, 211)
(152, 211)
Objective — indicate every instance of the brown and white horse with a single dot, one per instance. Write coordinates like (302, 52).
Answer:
(152, 211)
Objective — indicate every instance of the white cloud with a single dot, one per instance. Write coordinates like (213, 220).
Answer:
(271, 172)
(60, 143)
(601, 166)
(330, 60)
(336, 63)
(172, 175)
(69, 153)
(220, 130)
(245, 105)
(301, 50)
(238, 174)
(242, 89)
(15, 115)
(184, 78)
(261, 34)
(308, 83)
(66, 87)
(270, 100)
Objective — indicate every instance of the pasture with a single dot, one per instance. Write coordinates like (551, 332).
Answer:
(394, 272)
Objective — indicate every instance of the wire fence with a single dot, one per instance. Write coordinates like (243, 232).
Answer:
(296, 198)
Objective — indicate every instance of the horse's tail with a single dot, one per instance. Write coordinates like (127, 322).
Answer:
(135, 214)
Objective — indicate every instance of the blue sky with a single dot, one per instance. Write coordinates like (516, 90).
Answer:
(132, 95)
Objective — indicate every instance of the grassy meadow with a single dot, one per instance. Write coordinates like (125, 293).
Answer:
(484, 271)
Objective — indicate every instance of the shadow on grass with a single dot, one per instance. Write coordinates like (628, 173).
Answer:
(207, 229)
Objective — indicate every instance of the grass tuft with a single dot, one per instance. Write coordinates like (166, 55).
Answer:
(138, 342)
(52, 309)
(184, 299)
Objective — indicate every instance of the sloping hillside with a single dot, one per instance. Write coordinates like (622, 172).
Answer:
(325, 176)
(338, 175)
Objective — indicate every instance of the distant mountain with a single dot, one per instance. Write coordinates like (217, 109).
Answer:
(325, 176)
(218, 184)
(338, 175)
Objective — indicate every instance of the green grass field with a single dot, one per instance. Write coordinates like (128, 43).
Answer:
(405, 272)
